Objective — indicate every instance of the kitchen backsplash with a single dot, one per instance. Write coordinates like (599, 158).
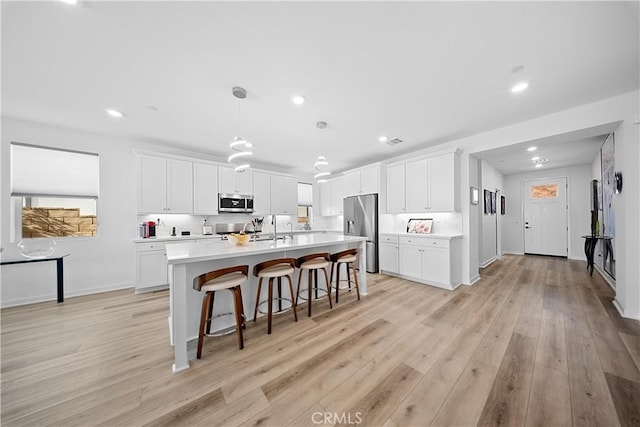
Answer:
(445, 223)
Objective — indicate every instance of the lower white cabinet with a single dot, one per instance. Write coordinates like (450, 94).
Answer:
(151, 266)
(389, 253)
(422, 259)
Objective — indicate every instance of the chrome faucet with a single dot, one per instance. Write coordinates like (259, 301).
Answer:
(291, 228)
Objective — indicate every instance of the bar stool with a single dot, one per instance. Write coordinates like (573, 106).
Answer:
(346, 258)
(312, 263)
(227, 278)
(275, 269)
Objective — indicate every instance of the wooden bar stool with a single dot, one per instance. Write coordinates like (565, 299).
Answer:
(275, 269)
(312, 263)
(227, 278)
(346, 258)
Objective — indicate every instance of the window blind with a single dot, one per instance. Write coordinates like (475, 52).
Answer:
(305, 194)
(44, 171)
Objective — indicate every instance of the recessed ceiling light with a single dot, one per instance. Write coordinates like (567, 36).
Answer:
(114, 113)
(535, 158)
(532, 148)
(519, 87)
(298, 100)
(383, 139)
(539, 165)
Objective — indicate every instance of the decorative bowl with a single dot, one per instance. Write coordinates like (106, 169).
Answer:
(238, 239)
(37, 248)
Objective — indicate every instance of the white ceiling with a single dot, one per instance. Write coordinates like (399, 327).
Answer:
(425, 72)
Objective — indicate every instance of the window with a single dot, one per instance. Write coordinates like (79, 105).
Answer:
(305, 200)
(546, 191)
(55, 191)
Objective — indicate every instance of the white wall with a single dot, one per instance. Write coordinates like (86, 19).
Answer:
(491, 225)
(578, 179)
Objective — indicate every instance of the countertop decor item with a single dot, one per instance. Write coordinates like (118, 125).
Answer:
(420, 226)
(238, 239)
(37, 248)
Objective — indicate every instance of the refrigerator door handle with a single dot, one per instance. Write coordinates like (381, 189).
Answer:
(350, 227)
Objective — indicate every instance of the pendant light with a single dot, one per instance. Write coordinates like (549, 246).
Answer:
(321, 165)
(240, 148)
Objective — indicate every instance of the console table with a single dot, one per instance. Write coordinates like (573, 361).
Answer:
(590, 246)
(59, 268)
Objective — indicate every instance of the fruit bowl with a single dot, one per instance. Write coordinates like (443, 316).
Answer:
(238, 239)
(37, 248)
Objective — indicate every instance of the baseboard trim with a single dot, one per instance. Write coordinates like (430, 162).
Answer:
(489, 262)
(152, 289)
(45, 298)
(473, 281)
(512, 253)
(618, 307)
(605, 276)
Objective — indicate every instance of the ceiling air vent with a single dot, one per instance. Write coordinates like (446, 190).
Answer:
(394, 141)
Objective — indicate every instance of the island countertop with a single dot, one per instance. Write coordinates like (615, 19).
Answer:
(183, 253)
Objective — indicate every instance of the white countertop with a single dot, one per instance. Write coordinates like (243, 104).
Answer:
(442, 236)
(182, 253)
(217, 236)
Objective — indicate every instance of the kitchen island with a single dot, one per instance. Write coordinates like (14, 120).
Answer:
(189, 260)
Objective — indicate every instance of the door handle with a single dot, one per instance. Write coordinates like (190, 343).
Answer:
(527, 227)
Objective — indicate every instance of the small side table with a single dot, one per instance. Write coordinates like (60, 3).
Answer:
(59, 267)
(590, 244)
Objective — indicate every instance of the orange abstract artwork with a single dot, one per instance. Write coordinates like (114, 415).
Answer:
(544, 191)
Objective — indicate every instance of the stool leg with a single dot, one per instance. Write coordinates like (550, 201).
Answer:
(279, 293)
(270, 302)
(326, 279)
(355, 278)
(349, 276)
(241, 302)
(315, 276)
(337, 281)
(299, 286)
(210, 312)
(293, 304)
(333, 264)
(203, 322)
(255, 311)
(309, 282)
(237, 301)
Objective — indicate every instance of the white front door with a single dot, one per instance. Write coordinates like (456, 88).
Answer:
(545, 216)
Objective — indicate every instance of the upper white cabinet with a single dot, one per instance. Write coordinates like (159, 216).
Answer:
(337, 195)
(284, 195)
(205, 189)
(426, 185)
(261, 193)
(325, 198)
(362, 181)
(395, 189)
(164, 185)
(230, 181)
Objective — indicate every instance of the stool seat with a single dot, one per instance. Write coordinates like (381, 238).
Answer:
(347, 258)
(314, 264)
(276, 271)
(223, 282)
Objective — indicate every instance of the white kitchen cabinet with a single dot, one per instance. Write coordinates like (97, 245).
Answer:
(337, 195)
(151, 266)
(205, 189)
(389, 253)
(284, 195)
(416, 189)
(429, 260)
(325, 198)
(426, 185)
(395, 189)
(262, 193)
(232, 182)
(164, 185)
(362, 181)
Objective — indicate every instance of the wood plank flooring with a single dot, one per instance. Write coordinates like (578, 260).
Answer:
(535, 342)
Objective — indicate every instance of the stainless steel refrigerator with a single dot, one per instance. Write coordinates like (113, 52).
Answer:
(361, 219)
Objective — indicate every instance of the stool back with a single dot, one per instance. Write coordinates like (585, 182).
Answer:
(335, 257)
(303, 259)
(266, 264)
(205, 277)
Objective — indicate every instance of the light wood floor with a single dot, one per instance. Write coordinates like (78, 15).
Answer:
(535, 342)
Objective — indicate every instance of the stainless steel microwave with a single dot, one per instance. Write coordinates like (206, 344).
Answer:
(238, 203)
